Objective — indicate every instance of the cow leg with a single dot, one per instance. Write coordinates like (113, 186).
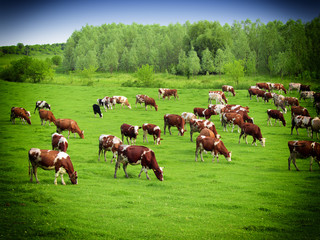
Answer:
(232, 128)
(240, 135)
(116, 167)
(128, 140)
(114, 156)
(104, 154)
(125, 169)
(165, 126)
(245, 137)
(254, 141)
(145, 136)
(169, 129)
(201, 156)
(293, 158)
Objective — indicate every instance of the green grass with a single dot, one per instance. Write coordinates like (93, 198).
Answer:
(252, 197)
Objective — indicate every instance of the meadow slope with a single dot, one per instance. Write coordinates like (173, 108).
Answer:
(252, 197)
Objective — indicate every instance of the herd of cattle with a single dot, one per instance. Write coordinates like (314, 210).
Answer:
(209, 140)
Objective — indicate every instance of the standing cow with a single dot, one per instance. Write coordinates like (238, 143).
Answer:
(109, 143)
(174, 120)
(46, 115)
(41, 105)
(277, 115)
(69, 125)
(153, 130)
(96, 110)
(17, 112)
(227, 88)
(59, 142)
(254, 131)
(129, 131)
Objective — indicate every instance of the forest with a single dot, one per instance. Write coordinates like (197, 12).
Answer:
(205, 47)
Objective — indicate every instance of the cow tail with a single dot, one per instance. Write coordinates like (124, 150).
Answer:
(29, 163)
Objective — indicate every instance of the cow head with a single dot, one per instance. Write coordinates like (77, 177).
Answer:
(159, 174)
(81, 134)
(49, 106)
(156, 107)
(229, 156)
(136, 130)
(263, 142)
(74, 177)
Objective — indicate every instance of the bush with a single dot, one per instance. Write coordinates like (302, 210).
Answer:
(56, 60)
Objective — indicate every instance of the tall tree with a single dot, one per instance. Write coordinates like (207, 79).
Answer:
(207, 61)
(193, 63)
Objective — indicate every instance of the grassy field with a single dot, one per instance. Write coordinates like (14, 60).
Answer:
(252, 197)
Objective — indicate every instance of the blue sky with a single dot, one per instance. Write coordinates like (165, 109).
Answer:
(40, 22)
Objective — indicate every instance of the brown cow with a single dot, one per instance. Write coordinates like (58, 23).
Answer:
(243, 113)
(161, 91)
(188, 116)
(70, 125)
(153, 130)
(17, 112)
(214, 145)
(196, 125)
(291, 101)
(231, 118)
(129, 131)
(254, 131)
(304, 87)
(226, 88)
(109, 143)
(207, 132)
(174, 120)
(299, 110)
(303, 149)
(277, 115)
(170, 92)
(265, 86)
(122, 100)
(59, 142)
(51, 160)
(279, 87)
(46, 115)
(204, 112)
(134, 155)
(140, 99)
(150, 101)
(268, 96)
(256, 92)
(301, 122)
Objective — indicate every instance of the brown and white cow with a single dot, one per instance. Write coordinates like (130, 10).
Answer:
(69, 125)
(175, 121)
(256, 92)
(122, 100)
(227, 88)
(204, 112)
(135, 155)
(268, 96)
(279, 87)
(109, 143)
(161, 91)
(277, 115)
(306, 95)
(107, 102)
(299, 110)
(303, 149)
(243, 113)
(279, 102)
(151, 102)
(51, 160)
(294, 86)
(217, 108)
(229, 107)
(207, 132)
(196, 125)
(231, 119)
(59, 142)
(46, 115)
(291, 101)
(153, 130)
(215, 145)
(315, 126)
(187, 116)
(140, 99)
(170, 92)
(129, 131)
(301, 122)
(219, 96)
(265, 86)
(17, 112)
(254, 131)
(41, 105)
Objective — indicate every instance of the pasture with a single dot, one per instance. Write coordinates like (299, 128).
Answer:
(252, 197)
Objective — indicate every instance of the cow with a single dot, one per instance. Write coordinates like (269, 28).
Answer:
(236, 108)
(268, 96)
(215, 145)
(315, 126)
(316, 98)
(161, 91)
(243, 113)
(187, 116)
(51, 160)
(70, 125)
(151, 102)
(129, 131)
(304, 88)
(294, 86)
(279, 102)
(107, 102)
(306, 95)
(174, 120)
(122, 100)
(17, 112)
(279, 87)
(59, 142)
(41, 105)
(46, 115)
(217, 108)
(109, 143)
(265, 86)
(277, 115)
(254, 131)
(231, 118)
(291, 101)
(96, 110)
(301, 122)
(140, 99)
(303, 149)
(203, 112)
(299, 110)
(219, 96)
(207, 132)
(153, 130)
(256, 92)
(230, 89)
(196, 125)
(170, 92)
(135, 155)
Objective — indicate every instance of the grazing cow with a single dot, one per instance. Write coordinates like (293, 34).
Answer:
(268, 96)
(135, 155)
(59, 142)
(315, 126)
(217, 108)
(203, 112)
(294, 86)
(306, 95)
(214, 145)
(17, 112)
(226, 88)
(151, 102)
(303, 149)
(299, 110)
(261, 94)
(122, 100)
(301, 122)
(188, 116)
(265, 86)
(277, 115)
(153, 130)
(41, 105)
(51, 160)
(304, 88)
(161, 91)
(109, 143)
(231, 118)
(96, 109)
(254, 131)
(214, 95)
(196, 125)
(46, 115)
(236, 108)
(207, 132)
(70, 125)
(318, 108)
(279, 101)
(256, 92)
(107, 102)
(140, 99)
(291, 101)
(176, 121)
(170, 92)
(243, 113)
(279, 87)
(129, 131)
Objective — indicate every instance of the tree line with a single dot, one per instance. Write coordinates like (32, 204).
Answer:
(21, 49)
(204, 47)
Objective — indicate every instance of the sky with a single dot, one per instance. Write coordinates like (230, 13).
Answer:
(45, 22)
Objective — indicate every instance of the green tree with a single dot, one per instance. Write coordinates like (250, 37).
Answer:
(193, 63)
(182, 66)
(56, 60)
(145, 75)
(235, 69)
(207, 61)
(109, 58)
